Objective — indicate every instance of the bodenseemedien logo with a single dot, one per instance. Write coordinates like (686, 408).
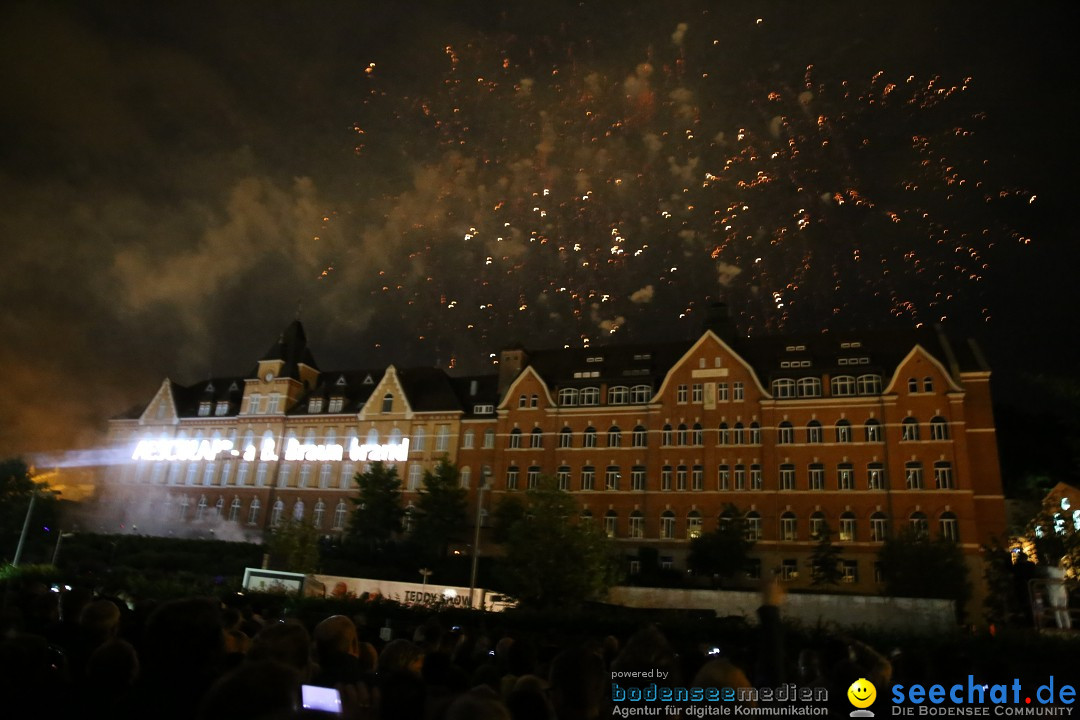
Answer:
(862, 695)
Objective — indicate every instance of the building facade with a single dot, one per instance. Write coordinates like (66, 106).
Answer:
(863, 434)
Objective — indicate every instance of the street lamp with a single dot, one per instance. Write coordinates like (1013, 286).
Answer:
(25, 530)
(59, 538)
(476, 535)
(424, 573)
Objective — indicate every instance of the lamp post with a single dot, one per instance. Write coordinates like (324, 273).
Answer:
(476, 536)
(25, 530)
(424, 573)
(59, 538)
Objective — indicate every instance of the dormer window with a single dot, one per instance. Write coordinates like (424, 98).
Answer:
(222, 408)
(314, 405)
(336, 404)
(204, 408)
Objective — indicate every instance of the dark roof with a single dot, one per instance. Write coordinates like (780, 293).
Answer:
(473, 390)
(292, 348)
(354, 386)
(428, 389)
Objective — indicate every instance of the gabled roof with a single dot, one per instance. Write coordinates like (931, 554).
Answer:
(353, 386)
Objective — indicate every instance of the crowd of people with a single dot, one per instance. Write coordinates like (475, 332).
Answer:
(75, 654)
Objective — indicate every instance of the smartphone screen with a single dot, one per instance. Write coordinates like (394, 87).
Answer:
(313, 697)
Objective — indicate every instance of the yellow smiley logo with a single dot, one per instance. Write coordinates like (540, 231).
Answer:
(862, 693)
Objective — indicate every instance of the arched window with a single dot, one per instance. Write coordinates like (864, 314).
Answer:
(339, 515)
(532, 477)
(928, 384)
(752, 527)
(200, 508)
(755, 433)
(939, 428)
(920, 526)
(875, 476)
(566, 438)
(913, 474)
(843, 386)
(611, 521)
(388, 403)
(785, 433)
(636, 527)
(738, 436)
(943, 479)
(814, 433)
(909, 429)
(789, 526)
(618, 395)
(869, 384)
(809, 387)
(948, 526)
(614, 436)
(298, 510)
(640, 394)
(817, 525)
(666, 435)
(589, 396)
(783, 388)
(912, 385)
(465, 476)
(667, 525)
(318, 515)
(562, 476)
(724, 435)
(879, 527)
(536, 438)
(218, 507)
(693, 524)
(588, 438)
(568, 397)
(787, 476)
(641, 436)
(681, 434)
(514, 441)
(847, 526)
(253, 512)
(276, 512)
(724, 520)
(873, 431)
(843, 431)
(696, 435)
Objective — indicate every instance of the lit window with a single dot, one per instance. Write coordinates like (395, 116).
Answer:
(419, 443)
(849, 571)
(276, 513)
(693, 524)
(318, 515)
(416, 474)
(339, 515)
(442, 438)
(234, 510)
(204, 409)
(253, 512)
(847, 527)
(611, 521)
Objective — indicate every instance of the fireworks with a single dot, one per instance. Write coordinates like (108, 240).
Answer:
(556, 196)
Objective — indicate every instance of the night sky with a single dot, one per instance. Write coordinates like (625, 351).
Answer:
(427, 182)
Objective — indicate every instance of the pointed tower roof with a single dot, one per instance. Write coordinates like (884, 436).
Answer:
(291, 348)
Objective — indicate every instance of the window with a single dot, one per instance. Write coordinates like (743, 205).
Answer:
(388, 403)
(514, 442)
(468, 440)
(636, 527)
(204, 409)
(222, 408)
(723, 477)
(208, 474)
(305, 475)
(875, 476)
(787, 477)
(721, 392)
(339, 515)
(298, 510)
(680, 477)
(589, 396)
(242, 473)
(817, 525)
(314, 405)
(809, 387)
(737, 390)
(939, 428)
(783, 388)
(814, 432)
(489, 439)
(234, 510)
(849, 571)
(637, 477)
(752, 527)
(416, 474)
(611, 521)
(697, 477)
(948, 526)
(534, 401)
(693, 524)
(920, 526)
(324, 475)
(566, 438)
(665, 436)
(614, 436)
(681, 437)
(740, 477)
(465, 477)
(909, 429)
(253, 404)
(696, 435)
(253, 512)
(588, 438)
(785, 434)
(536, 438)
(532, 477)
(523, 401)
(640, 394)
(200, 508)
(879, 572)
(912, 385)
(588, 477)
(640, 437)
(879, 527)
(318, 515)
(843, 431)
(697, 393)
(789, 527)
(442, 438)
(753, 568)
(755, 477)
(667, 525)
(869, 384)
(843, 386)
(943, 479)
(336, 404)
(724, 434)
(562, 476)
(681, 394)
(845, 476)
(276, 512)
(724, 520)
(666, 475)
(847, 526)
(568, 397)
(419, 439)
(512, 477)
(873, 431)
(928, 385)
(192, 471)
(618, 395)
(738, 435)
(913, 476)
(815, 476)
(755, 434)
(260, 475)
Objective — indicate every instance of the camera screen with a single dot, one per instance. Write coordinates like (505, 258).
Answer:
(324, 699)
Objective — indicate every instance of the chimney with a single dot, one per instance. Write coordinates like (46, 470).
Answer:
(511, 362)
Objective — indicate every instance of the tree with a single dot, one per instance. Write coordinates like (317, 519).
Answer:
(825, 560)
(507, 513)
(440, 510)
(553, 559)
(723, 552)
(16, 487)
(293, 546)
(1054, 532)
(377, 517)
(916, 566)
